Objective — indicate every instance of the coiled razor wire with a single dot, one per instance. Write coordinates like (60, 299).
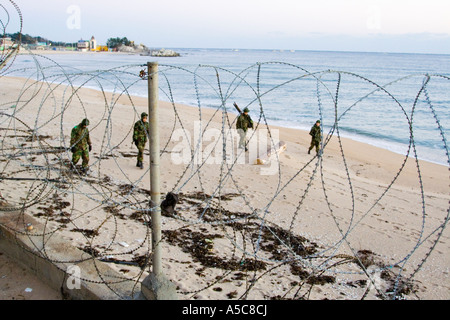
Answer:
(260, 246)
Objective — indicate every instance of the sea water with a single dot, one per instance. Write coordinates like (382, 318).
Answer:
(400, 102)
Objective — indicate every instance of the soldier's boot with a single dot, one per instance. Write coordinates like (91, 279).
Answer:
(141, 165)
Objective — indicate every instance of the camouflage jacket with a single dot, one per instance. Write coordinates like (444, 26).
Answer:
(79, 138)
(315, 133)
(140, 132)
(244, 122)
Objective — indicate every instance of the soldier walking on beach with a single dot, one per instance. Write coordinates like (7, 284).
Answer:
(315, 137)
(141, 130)
(243, 122)
(80, 144)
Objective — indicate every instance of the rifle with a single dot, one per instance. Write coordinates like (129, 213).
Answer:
(237, 108)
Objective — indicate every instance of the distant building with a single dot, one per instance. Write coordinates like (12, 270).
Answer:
(5, 43)
(93, 44)
(83, 45)
(42, 45)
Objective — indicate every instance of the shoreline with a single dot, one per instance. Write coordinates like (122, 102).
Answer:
(301, 131)
(288, 50)
(376, 142)
(52, 52)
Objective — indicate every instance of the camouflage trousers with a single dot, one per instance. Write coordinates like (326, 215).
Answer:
(140, 147)
(84, 154)
(314, 143)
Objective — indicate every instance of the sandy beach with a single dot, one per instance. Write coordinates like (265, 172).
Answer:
(357, 222)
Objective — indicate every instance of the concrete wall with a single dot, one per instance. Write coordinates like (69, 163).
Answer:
(49, 257)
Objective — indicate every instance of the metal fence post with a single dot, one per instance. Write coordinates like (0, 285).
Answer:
(155, 286)
(153, 88)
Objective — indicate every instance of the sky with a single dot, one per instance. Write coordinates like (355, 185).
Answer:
(334, 25)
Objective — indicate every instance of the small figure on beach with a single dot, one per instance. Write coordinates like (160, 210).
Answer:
(243, 122)
(141, 130)
(169, 203)
(315, 137)
(80, 144)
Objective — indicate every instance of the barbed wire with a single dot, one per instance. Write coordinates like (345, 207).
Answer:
(228, 239)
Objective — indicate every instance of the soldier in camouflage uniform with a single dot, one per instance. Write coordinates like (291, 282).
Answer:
(80, 144)
(243, 122)
(141, 130)
(315, 137)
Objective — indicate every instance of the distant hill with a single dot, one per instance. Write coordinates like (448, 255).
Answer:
(28, 39)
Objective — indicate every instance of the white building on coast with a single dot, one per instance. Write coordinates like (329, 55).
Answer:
(87, 45)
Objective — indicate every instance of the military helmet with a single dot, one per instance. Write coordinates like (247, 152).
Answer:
(318, 121)
(85, 122)
(246, 110)
(143, 114)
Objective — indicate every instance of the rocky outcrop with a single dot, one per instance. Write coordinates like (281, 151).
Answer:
(161, 53)
(132, 49)
(144, 51)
